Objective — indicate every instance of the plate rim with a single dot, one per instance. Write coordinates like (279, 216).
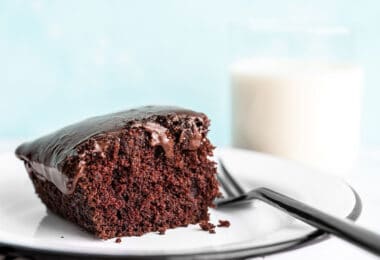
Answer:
(311, 238)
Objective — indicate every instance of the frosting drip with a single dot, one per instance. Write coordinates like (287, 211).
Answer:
(45, 173)
(65, 184)
(158, 137)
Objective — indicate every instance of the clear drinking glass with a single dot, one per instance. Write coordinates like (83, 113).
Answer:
(296, 93)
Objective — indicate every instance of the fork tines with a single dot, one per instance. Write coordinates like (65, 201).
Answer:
(229, 184)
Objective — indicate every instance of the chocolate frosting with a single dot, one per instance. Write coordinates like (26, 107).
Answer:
(46, 156)
(158, 137)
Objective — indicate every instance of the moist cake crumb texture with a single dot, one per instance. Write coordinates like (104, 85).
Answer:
(224, 223)
(161, 231)
(127, 173)
(207, 226)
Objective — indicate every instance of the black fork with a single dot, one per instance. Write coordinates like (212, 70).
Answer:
(342, 228)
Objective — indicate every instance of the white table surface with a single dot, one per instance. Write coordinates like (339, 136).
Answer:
(364, 178)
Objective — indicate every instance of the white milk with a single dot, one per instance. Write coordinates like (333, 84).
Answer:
(306, 111)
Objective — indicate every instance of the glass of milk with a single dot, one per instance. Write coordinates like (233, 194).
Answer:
(298, 96)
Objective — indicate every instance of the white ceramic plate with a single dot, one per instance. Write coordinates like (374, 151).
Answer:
(255, 229)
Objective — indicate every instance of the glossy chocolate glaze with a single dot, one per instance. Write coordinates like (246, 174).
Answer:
(158, 137)
(45, 157)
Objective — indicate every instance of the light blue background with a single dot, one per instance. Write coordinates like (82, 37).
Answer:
(61, 61)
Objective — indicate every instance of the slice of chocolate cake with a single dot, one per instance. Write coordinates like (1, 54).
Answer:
(127, 173)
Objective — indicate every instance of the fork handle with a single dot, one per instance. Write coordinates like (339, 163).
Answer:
(342, 228)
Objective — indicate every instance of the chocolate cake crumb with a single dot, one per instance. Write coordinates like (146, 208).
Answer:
(224, 223)
(207, 226)
(62, 237)
(161, 231)
(127, 173)
(118, 240)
